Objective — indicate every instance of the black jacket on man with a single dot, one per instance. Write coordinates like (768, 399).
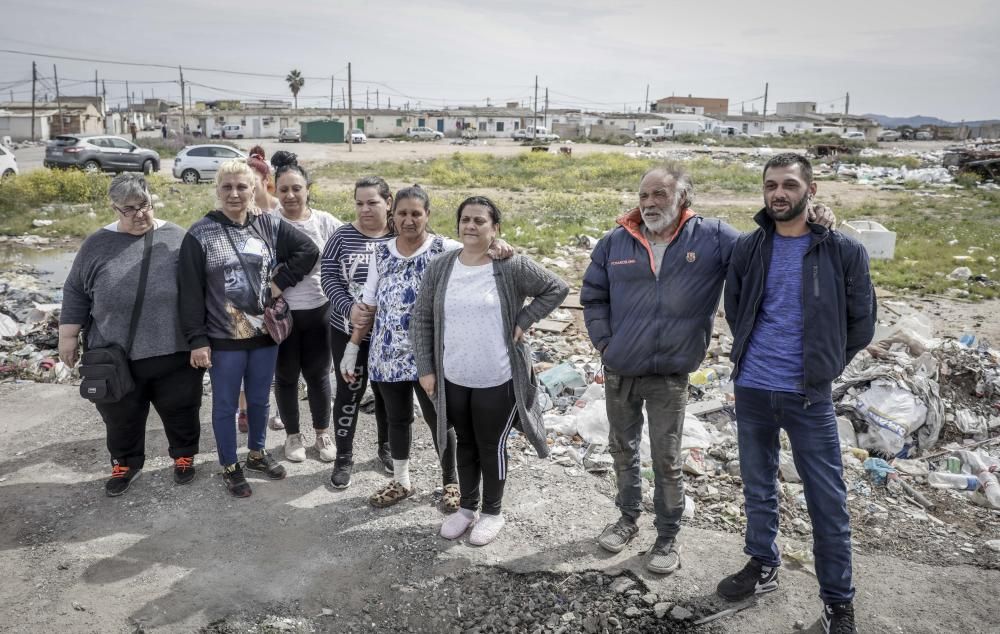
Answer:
(838, 301)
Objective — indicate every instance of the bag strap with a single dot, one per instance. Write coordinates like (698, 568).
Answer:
(147, 252)
(239, 256)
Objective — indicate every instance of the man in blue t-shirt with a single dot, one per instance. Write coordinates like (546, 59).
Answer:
(787, 273)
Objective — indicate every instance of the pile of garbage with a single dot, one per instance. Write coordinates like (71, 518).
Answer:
(29, 328)
(868, 175)
(919, 424)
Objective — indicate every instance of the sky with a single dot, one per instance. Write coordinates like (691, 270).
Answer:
(894, 57)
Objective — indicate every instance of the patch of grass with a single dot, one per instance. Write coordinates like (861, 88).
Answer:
(925, 229)
(542, 171)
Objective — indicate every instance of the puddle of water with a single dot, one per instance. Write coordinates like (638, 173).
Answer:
(54, 263)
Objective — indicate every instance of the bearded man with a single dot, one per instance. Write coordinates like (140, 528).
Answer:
(649, 295)
(787, 273)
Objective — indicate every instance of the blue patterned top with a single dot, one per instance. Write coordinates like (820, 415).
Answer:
(390, 358)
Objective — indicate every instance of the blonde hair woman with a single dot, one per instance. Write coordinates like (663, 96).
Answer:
(233, 264)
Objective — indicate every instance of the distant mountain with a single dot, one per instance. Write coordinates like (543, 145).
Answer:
(914, 122)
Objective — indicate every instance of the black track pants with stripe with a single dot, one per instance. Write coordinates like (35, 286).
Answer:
(483, 418)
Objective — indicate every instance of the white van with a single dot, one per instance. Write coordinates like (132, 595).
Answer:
(656, 133)
(232, 131)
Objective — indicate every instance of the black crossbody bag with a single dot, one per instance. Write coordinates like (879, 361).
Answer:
(105, 371)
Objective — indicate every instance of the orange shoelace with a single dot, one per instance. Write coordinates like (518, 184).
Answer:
(118, 471)
(184, 462)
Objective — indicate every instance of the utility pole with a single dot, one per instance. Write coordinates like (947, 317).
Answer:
(545, 121)
(183, 105)
(847, 104)
(534, 118)
(55, 75)
(331, 96)
(350, 111)
(765, 101)
(34, 78)
(366, 99)
(377, 104)
(128, 105)
(647, 98)
(104, 106)
(96, 91)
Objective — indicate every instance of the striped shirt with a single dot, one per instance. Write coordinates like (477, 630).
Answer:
(344, 270)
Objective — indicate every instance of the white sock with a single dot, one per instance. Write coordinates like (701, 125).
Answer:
(401, 472)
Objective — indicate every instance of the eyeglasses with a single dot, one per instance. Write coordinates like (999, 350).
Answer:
(128, 212)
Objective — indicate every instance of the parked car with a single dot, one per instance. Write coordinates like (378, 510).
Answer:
(8, 163)
(358, 136)
(229, 131)
(423, 132)
(97, 153)
(854, 135)
(889, 135)
(200, 162)
(289, 134)
(540, 134)
(656, 133)
(924, 135)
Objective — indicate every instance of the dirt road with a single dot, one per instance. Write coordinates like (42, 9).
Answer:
(300, 556)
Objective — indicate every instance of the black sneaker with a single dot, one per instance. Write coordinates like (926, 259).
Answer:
(341, 477)
(121, 479)
(385, 457)
(615, 537)
(183, 469)
(265, 464)
(236, 482)
(838, 618)
(755, 578)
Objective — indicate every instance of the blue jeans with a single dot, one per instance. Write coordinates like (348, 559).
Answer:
(665, 398)
(254, 370)
(812, 430)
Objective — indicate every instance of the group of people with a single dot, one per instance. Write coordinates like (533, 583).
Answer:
(443, 321)
(381, 296)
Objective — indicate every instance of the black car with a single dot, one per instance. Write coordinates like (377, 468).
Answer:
(96, 153)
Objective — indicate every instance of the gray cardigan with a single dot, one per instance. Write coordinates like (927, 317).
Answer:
(517, 279)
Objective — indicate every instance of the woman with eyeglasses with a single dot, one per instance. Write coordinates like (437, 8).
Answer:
(98, 297)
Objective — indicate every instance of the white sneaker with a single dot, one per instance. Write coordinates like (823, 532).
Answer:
(457, 523)
(275, 423)
(294, 451)
(486, 529)
(324, 445)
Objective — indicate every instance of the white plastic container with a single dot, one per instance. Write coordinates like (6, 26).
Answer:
(878, 241)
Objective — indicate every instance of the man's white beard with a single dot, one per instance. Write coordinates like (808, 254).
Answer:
(665, 219)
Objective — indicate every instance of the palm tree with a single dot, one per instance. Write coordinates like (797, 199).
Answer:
(295, 82)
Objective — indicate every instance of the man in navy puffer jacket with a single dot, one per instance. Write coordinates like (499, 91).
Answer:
(649, 297)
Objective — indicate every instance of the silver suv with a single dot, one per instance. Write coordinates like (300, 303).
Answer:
(200, 162)
(97, 153)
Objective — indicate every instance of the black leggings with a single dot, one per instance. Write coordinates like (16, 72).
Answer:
(173, 387)
(398, 398)
(348, 398)
(306, 350)
(483, 418)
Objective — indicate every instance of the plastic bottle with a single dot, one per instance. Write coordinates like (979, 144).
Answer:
(960, 481)
(991, 488)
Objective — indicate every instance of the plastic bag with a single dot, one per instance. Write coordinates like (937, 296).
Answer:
(892, 414)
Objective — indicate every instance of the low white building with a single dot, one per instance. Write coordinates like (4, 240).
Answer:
(17, 124)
